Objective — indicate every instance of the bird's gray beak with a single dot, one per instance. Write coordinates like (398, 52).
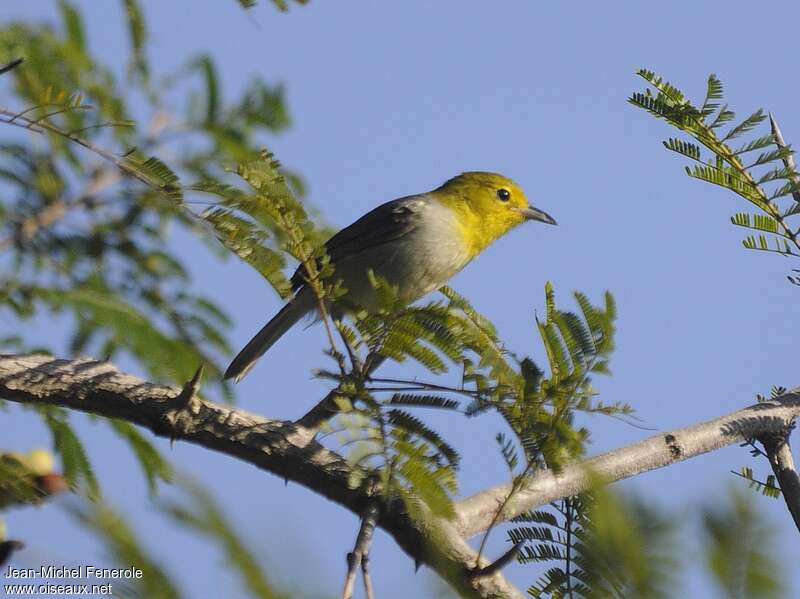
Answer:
(531, 213)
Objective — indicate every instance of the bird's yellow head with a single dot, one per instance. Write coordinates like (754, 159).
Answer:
(487, 206)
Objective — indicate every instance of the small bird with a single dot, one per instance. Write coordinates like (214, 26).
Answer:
(416, 243)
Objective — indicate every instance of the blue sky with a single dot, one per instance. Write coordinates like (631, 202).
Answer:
(390, 99)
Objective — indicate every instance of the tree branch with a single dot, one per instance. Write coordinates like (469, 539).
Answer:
(283, 448)
(360, 552)
(474, 514)
(279, 447)
(780, 458)
(369, 593)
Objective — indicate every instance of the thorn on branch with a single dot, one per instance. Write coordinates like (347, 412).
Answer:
(11, 65)
(180, 402)
(788, 160)
(190, 389)
(500, 562)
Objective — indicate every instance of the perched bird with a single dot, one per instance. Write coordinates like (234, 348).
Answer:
(415, 243)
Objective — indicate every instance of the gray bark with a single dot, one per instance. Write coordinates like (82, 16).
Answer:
(289, 451)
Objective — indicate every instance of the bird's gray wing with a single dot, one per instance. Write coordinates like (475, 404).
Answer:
(388, 222)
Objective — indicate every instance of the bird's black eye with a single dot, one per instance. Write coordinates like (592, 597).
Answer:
(504, 195)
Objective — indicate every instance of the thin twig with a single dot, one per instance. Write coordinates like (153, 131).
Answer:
(501, 562)
(759, 483)
(61, 110)
(421, 386)
(122, 164)
(11, 65)
(104, 126)
(569, 515)
(360, 550)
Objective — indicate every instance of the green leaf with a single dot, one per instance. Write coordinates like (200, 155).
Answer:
(202, 514)
(423, 401)
(714, 91)
(75, 462)
(760, 222)
(414, 426)
(736, 549)
(138, 34)
(127, 551)
(682, 147)
(746, 125)
(73, 25)
(509, 450)
(771, 156)
(723, 116)
(249, 242)
(209, 71)
(161, 177)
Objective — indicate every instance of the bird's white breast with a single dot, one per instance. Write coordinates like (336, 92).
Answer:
(422, 260)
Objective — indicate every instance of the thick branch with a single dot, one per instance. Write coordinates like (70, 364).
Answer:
(279, 447)
(779, 452)
(474, 514)
(284, 449)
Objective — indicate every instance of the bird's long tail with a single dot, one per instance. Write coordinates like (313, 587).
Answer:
(293, 311)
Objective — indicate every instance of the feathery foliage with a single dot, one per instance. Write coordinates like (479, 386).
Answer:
(86, 243)
(77, 468)
(198, 512)
(540, 410)
(125, 548)
(153, 464)
(402, 453)
(761, 170)
(768, 487)
(281, 5)
(271, 215)
(736, 546)
(206, 518)
(598, 545)
(87, 240)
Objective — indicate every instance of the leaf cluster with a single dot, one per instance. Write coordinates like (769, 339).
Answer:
(81, 241)
(760, 169)
(598, 545)
(399, 450)
(578, 346)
